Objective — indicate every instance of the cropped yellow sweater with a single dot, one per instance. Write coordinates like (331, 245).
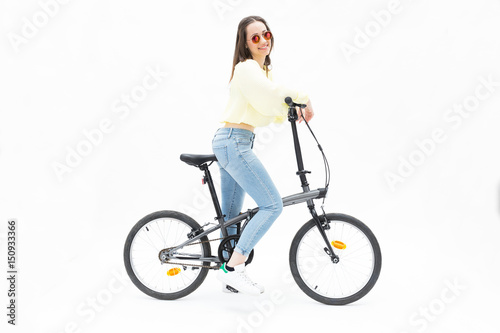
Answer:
(255, 99)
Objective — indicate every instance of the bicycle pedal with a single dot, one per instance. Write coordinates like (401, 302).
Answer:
(231, 289)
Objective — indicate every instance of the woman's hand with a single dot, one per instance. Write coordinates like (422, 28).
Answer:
(308, 112)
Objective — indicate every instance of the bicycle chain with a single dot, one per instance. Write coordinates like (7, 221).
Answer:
(194, 265)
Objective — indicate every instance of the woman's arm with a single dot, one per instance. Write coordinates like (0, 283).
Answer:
(264, 95)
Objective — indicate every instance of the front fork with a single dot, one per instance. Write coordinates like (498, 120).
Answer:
(322, 224)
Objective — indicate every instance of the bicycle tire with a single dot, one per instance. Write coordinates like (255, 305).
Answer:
(147, 220)
(305, 285)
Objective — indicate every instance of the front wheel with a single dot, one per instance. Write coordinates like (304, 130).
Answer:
(339, 283)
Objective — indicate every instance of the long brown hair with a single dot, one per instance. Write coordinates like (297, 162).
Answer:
(242, 53)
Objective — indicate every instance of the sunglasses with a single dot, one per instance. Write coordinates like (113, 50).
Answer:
(267, 36)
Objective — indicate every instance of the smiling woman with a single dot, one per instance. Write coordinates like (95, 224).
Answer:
(250, 45)
(255, 101)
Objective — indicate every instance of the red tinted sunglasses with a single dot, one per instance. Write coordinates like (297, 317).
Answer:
(266, 35)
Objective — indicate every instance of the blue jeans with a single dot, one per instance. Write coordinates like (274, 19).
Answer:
(242, 172)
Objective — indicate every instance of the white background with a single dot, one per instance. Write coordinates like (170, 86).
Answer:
(438, 226)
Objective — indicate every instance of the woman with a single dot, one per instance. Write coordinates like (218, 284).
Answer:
(254, 101)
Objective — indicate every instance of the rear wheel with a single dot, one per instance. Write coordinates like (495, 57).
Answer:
(154, 233)
(339, 283)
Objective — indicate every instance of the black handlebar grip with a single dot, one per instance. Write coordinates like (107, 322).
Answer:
(291, 103)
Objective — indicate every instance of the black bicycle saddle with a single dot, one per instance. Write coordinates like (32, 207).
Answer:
(197, 160)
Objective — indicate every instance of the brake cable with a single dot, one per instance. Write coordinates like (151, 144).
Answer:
(325, 161)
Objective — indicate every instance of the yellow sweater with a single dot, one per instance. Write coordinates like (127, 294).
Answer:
(255, 99)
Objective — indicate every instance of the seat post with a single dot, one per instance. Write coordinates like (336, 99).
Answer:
(213, 193)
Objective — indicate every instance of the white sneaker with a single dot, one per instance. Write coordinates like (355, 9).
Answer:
(238, 280)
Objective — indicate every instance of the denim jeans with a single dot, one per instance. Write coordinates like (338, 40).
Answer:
(242, 172)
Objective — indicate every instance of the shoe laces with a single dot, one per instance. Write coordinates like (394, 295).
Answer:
(245, 278)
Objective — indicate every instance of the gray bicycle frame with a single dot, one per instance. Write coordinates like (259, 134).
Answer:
(306, 196)
(287, 201)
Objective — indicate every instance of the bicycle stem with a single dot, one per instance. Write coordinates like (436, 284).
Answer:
(292, 118)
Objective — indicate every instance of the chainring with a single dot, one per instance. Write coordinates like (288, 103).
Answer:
(226, 249)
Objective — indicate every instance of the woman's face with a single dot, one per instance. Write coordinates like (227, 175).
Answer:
(262, 48)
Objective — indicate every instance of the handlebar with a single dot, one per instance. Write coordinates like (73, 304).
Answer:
(288, 100)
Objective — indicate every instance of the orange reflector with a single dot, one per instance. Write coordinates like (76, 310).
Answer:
(173, 271)
(338, 245)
